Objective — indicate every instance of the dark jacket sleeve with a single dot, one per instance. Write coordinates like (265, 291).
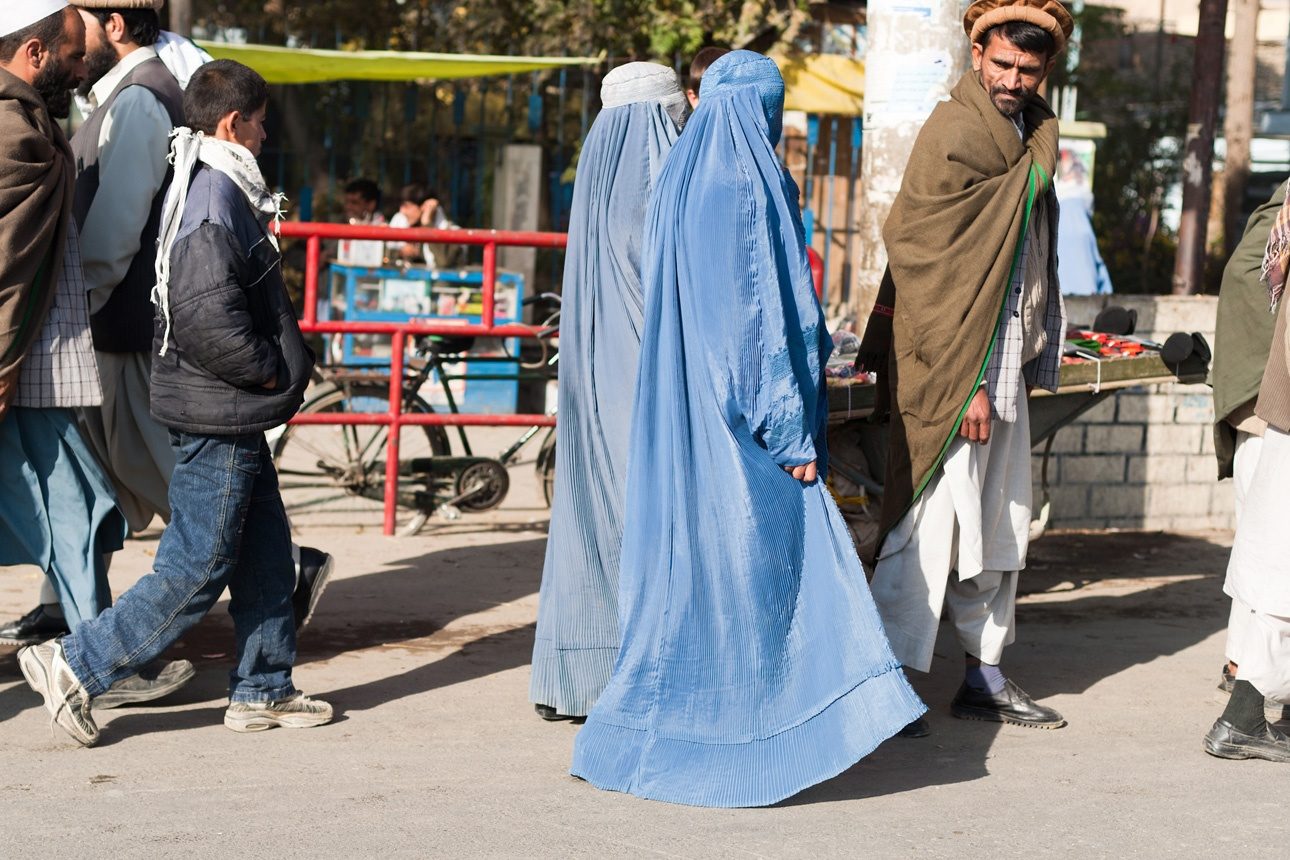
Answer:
(210, 319)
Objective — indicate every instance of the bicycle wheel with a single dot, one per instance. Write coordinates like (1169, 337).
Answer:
(545, 466)
(328, 473)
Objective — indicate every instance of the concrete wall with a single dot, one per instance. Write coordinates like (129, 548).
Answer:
(1143, 459)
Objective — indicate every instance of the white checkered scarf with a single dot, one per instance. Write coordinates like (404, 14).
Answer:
(187, 147)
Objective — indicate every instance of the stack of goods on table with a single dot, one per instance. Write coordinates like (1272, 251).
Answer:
(1087, 345)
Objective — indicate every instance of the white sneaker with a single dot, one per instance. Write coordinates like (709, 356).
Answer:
(151, 682)
(46, 670)
(296, 712)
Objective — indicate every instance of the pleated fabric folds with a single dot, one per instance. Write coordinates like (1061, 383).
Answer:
(600, 341)
(753, 662)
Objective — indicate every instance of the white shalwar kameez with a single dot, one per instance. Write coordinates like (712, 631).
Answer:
(974, 518)
(1258, 575)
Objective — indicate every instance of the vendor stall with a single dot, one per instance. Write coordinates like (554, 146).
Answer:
(1096, 367)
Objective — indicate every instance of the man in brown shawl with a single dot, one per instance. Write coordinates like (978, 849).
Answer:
(36, 177)
(1252, 403)
(971, 318)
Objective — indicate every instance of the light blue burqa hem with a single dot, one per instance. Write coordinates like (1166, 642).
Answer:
(58, 510)
(753, 661)
(1080, 268)
(600, 337)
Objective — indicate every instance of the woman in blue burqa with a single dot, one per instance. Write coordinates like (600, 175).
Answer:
(753, 662)
(600, 337)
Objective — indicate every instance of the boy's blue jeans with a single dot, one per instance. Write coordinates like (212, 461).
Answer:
(227, 529)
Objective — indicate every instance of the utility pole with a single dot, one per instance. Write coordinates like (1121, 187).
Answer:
(1238, 124)
(917, 53)
(1198, 160)
(181, 17)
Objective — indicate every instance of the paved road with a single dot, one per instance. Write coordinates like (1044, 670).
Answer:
(422, 644)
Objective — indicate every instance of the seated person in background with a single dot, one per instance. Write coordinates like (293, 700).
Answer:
(362, 204)
(420, 207)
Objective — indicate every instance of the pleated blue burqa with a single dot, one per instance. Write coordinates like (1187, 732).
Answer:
(600, 337)
(753, 662)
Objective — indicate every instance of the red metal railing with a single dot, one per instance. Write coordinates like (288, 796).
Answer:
(395, 419)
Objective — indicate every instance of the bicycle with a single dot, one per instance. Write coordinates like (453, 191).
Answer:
(318, 464)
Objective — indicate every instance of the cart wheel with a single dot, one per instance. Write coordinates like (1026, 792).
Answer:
(486, 482)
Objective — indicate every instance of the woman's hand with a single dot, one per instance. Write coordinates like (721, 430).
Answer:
(804, 473)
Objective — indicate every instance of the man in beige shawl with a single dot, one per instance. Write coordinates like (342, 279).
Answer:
(970, 317)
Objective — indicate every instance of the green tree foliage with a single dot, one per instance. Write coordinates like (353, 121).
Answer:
(1137, 84)
(659, 30)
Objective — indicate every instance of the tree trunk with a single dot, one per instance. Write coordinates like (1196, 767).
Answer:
(1238, 125)
(181, 17)
(903, 47)
(1198, 161)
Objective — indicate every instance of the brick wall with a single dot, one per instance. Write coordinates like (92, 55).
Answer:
(1144, 458)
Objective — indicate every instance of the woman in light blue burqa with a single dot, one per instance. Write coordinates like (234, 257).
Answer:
(753, 662)
(600, 336)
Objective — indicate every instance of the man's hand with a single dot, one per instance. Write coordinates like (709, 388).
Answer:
(976, 421)
(804, 473)
(428, 209)
(8, 388)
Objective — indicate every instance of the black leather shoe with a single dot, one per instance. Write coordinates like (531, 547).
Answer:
(315, 571)
(550, 714)
(1010, 706)
(1227, 741)
(917, 729)
(33, 628)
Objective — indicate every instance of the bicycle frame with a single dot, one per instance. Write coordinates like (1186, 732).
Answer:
(396, 418)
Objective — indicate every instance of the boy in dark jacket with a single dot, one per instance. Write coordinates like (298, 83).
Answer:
(230, 364)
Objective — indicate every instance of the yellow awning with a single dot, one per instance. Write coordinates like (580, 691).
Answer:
(307, 66)
(823, 83)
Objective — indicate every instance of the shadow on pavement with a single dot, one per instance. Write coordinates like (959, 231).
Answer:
(496, 652)
(402, 603)
(1076, 626)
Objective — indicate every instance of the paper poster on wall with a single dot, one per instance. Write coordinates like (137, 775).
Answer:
(1075, 162)
(908, 91)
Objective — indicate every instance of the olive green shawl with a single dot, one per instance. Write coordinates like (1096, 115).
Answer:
(1243, 332)
(953, 238)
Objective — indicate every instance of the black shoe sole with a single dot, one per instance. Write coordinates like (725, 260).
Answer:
(550, 715)
(984, 716)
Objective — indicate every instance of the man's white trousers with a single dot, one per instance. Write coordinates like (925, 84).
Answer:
(960, 546)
